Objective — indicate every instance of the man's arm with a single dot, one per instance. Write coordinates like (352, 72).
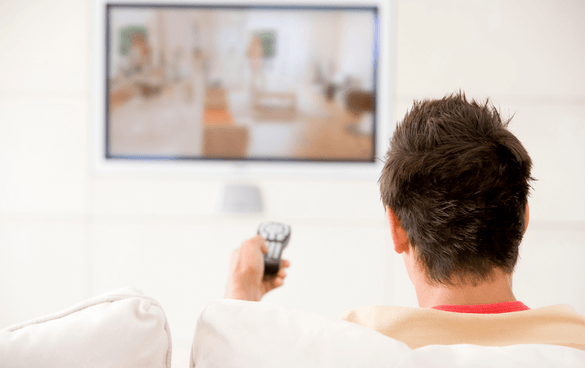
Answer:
(246, 280)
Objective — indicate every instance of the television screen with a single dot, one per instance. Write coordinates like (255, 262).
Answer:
(275, 83)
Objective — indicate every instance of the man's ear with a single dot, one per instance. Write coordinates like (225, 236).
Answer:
(398, 234)
(526, 218)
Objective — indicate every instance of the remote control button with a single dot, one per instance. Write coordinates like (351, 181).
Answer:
(277, 248)
(272, 249)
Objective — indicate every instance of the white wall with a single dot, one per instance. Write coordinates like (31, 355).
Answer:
(67, 233)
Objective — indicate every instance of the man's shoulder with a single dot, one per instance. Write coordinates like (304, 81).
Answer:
(364, 315)
(425, 326)
(393, 312)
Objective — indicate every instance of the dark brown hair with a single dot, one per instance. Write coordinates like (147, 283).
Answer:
(458, 180)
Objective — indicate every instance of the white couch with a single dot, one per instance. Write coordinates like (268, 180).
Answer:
(232, 333)
(122, 328)
(125, 328)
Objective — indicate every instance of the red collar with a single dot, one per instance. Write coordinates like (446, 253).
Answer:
(495, 308)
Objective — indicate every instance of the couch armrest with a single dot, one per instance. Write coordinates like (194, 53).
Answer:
(122, 328)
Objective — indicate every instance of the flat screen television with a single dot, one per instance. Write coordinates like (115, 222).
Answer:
(275, 86)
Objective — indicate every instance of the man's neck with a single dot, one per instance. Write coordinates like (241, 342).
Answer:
(497, 290)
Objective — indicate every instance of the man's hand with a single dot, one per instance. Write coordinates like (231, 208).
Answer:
(246, 280)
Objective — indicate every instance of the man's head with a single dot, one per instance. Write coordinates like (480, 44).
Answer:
(458, 182)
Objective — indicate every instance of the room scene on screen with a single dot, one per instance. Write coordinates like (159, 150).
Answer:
(241, 83)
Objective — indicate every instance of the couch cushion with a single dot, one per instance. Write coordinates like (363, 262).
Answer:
(232, 333)
(122, 328)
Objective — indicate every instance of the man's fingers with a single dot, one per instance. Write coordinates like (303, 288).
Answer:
(281, 273)
(255, 243)
(284, 264)
(278, 282)
(260, 242)
(274, 283)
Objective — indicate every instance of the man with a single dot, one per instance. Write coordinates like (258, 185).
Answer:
(455, 188)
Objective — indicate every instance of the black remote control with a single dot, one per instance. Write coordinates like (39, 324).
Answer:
(276, 235)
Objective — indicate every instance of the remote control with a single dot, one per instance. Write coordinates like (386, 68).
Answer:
(276, 235)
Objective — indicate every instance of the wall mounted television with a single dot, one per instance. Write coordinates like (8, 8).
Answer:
(277, 87)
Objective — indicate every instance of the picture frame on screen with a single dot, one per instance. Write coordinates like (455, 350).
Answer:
(285, 87)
